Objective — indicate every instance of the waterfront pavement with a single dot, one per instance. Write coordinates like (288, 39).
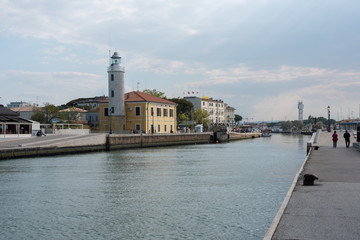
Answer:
(330, 209)
(52, 140)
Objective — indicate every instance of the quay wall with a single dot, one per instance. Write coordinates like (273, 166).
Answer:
(144, 140)
(108, 142)
(239, 136)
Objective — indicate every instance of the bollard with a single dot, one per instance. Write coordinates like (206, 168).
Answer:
(309, 179)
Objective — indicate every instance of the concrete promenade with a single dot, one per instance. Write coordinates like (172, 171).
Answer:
(331, 208)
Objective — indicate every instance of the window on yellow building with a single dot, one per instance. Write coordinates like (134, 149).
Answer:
(165, 112)
(137, 111)
(152, 111)
(165, 128)
(158, 111)
(158, 128)
(171, 113)
(106, 112)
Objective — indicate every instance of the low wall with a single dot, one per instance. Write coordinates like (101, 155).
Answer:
(239, 136)
(107, 142)
(115, 141)
(72, 131)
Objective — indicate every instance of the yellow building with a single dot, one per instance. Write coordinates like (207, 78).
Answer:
(143, 113)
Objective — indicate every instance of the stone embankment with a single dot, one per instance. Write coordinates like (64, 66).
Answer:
(71, 144)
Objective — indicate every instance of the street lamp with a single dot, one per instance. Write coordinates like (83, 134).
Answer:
(328, 108)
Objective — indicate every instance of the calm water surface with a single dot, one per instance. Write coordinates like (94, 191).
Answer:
(222, 191)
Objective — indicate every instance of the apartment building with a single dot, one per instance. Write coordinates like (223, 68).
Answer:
(219, 112)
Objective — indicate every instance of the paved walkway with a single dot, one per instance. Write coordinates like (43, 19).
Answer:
(53, 140)
(331, 208)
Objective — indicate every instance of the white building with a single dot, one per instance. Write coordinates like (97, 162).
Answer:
(18, 104)
(216, 109)
(229, 116)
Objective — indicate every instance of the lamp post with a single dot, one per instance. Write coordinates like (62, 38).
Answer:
(328, 108)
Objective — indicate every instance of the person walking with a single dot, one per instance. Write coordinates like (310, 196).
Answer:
(334, 139)
(347, 138)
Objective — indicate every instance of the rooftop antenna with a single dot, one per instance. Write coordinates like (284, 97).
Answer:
(109, 57)
(137, 87)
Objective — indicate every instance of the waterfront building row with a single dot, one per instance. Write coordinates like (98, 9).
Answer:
(219, 112)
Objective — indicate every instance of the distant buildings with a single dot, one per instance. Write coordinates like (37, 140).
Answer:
(89, 102)
(18, 104)
(219, 112)
(26, 112)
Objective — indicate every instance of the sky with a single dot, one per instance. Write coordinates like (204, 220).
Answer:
(259, 56)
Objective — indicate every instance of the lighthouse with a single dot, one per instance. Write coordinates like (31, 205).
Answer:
(116, 110)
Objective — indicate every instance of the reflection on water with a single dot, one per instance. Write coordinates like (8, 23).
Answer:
(223, 191)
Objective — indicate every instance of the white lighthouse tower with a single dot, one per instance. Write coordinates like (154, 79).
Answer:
(116, 108)
(301, 109)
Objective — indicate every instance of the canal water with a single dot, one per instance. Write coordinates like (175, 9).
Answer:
(211, 191)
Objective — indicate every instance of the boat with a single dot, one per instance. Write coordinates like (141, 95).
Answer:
(266, 133)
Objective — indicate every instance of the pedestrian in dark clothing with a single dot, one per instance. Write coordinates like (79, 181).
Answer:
(334, 139)
(347, 138)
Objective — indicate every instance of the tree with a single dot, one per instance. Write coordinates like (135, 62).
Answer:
(201, 117)
(182, 118)
(298, 124)
(155, 93)
(183, 109)
(286, 126)
(238, 118)
(38, 116)
(69, 116)
(51, 112)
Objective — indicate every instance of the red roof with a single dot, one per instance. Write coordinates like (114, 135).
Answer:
(144, 97)
(136, 96)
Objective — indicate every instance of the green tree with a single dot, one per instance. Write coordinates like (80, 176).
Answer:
(286, 125)
(183, 109)
(51, 112)
(201, 117)
(69, 116)
(182, 118)
(238, 118)
(298, 124)
(38, 116)
(155, 93)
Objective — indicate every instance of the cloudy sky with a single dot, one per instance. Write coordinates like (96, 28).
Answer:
(259, 56)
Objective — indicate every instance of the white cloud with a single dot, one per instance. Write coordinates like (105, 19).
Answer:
(53, 87)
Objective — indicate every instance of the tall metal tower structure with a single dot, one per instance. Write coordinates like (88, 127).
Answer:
(301, 109)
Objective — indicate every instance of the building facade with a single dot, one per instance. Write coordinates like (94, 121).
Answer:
(18, 104)
(26, 112)
(143, 113)
(11, 123)
(229, 116)
(215, 108)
